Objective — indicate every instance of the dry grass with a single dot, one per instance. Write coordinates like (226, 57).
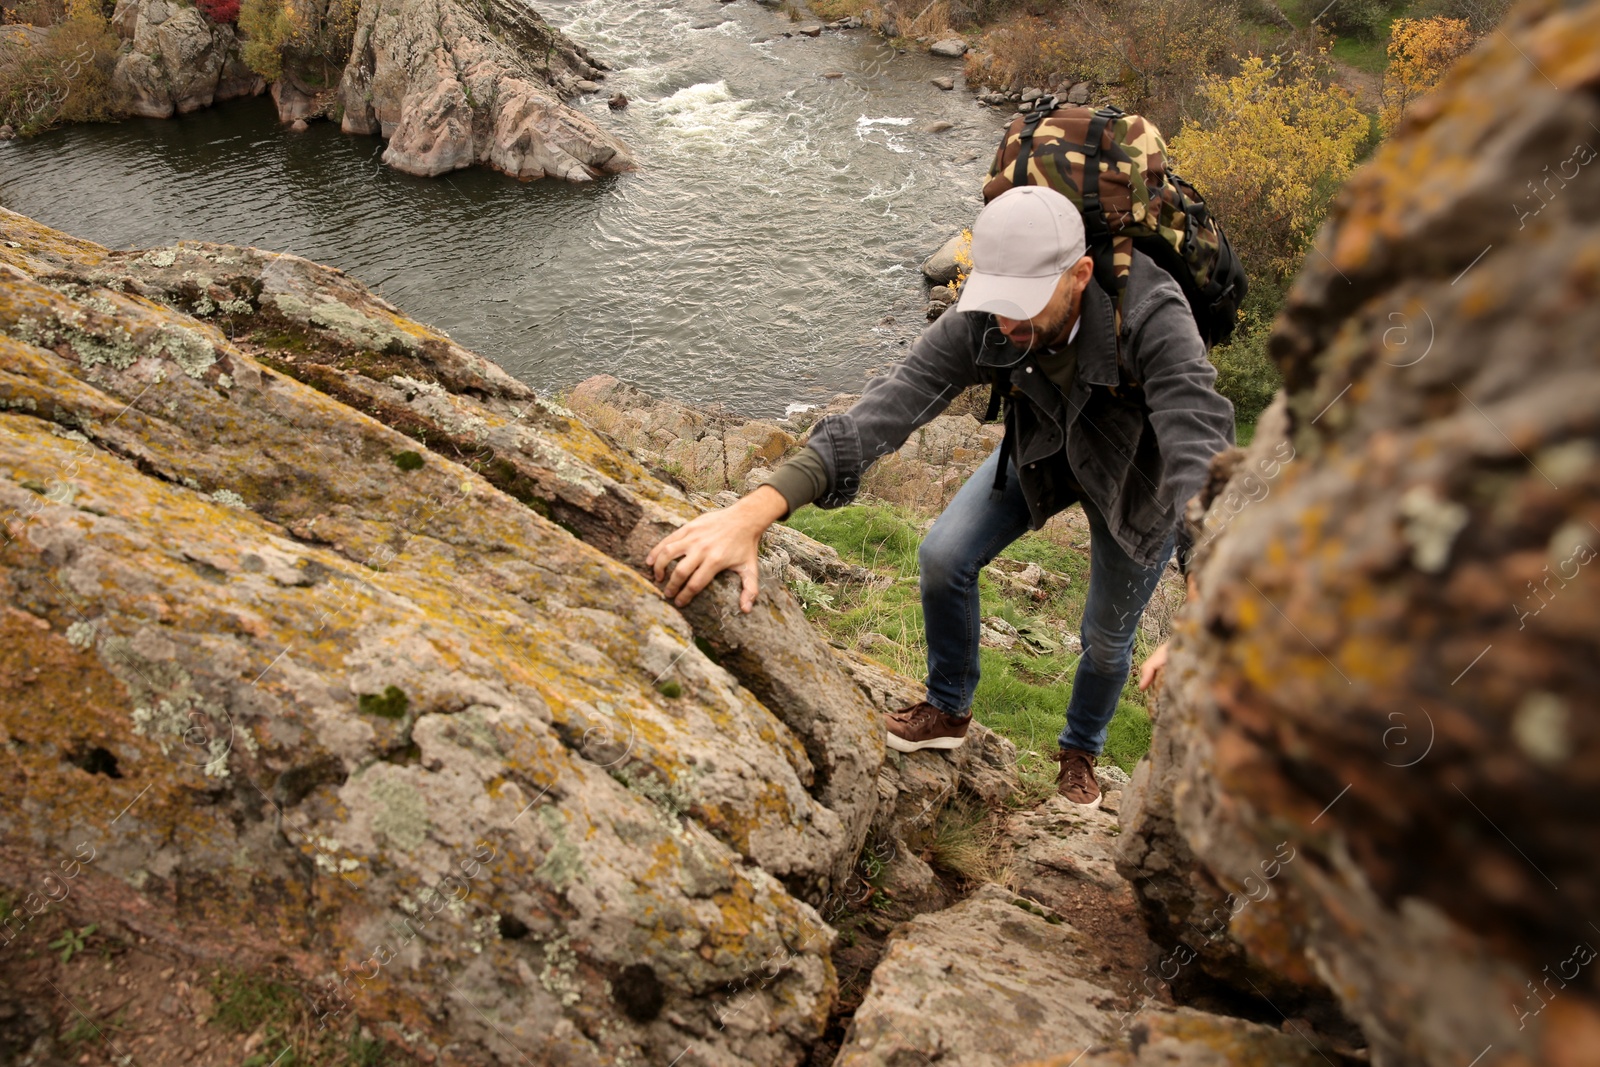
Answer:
(1017, 52)
(966, 841)
(61, 75)
(931, 20)
(832, 10)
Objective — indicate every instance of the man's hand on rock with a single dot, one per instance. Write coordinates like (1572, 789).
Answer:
(1152, 666)
(725, 540)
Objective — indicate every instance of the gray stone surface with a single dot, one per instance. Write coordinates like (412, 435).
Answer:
(941, 267)
(174, 60)
(405, 674)
(992, 981)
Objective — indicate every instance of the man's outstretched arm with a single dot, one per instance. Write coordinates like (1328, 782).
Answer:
(827, 471)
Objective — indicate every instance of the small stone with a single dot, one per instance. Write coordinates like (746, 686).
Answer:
(1023, 109)
(938, 127)
(952, 48)
(299, 126)
(7, 132)
(833, 74)
(618, 102)
(935, 309)
(942, 293)
(587, 86)
(1030, 95)
(1079, 94)
(812, 30)
(946, 84)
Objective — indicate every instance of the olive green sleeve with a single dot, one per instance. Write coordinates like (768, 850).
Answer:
(800, 479)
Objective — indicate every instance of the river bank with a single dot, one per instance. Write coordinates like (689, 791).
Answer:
(766, 251)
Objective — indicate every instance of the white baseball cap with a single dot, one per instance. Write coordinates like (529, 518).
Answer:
(1022, 242)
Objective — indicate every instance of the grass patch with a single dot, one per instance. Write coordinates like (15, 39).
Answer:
(246, 1003)
(390, 704)
(1020, 695)
(833, 10)
(1372, 55)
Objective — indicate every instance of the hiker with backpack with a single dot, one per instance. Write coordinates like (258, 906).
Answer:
(1096, 354)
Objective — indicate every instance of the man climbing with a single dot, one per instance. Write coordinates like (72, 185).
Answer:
(1128, 438)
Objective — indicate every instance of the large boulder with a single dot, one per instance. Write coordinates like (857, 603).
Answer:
(175, 60)
(358, 634)
(997, 980)
(943, 267)
(452, 84)
(1372, 770)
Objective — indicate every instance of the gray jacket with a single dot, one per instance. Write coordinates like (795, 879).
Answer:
(1139, 441)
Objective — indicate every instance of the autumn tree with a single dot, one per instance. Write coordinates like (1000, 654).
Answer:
(314, 33)
(1420, 51)
(1269, 148)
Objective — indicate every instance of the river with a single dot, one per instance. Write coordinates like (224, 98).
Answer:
(765, 253)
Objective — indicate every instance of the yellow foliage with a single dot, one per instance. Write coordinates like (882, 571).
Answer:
(317, 32)
(64, 76)
(1272, 146)
(963, 261)
(1420, 51)
(86, 11)
(267, 26)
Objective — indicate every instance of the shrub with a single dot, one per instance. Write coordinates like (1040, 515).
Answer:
(1481, 16)
(219, 10)
(267, 27)
(63, 75)
(1420, 51)
(1361, 19)
(1152, 52)
(1271, 146)
(1244, 373)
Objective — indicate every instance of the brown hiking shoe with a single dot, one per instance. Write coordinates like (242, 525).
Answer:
(924, 726)
(1075, 781)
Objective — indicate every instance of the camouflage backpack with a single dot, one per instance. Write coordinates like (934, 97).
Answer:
(1113, 166)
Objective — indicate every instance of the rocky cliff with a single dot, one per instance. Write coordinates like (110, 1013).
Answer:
(309, 609)
(451, 84)
(1371, 777)
(448, 84)
(175, 60)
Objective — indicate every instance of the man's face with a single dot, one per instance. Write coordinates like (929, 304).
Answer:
(1052, 323)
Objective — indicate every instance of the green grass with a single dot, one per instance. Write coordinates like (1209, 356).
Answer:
(1367, 55)
(1371, 56)
(1020, 695)
(245, 1002)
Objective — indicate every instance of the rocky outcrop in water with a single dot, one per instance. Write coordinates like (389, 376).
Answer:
(1372, 771)
(451, 84)
(448, 84)
(176, 60)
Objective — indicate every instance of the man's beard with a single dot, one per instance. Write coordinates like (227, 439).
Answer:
(1056, 333)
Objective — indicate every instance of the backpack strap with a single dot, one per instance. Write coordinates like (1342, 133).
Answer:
(1030, 125)
(996, 396)
(1005, 452)
(1096, 230)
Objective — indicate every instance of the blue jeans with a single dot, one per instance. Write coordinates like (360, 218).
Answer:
(970, 533)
